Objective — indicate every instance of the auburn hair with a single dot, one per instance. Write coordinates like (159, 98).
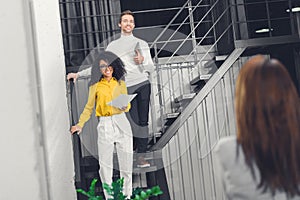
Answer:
(268, 123)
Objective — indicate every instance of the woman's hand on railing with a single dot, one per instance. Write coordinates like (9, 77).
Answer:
(75, 128)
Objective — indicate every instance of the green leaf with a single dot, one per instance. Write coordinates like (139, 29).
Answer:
(92, 187)
(156, 191)
(121, 181)
(144, 195)
(121, 196)
(96, 198)
(107, 188)
(115, 190)
(137, 197)
(83, 192)
(135, 191)
(149, 192)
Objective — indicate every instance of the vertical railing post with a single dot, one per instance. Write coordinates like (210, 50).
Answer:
(241, 26)
(293, 23)
(159, 87)
(214, 28)
(296, 20)
(233, 16)
(152, 104)
(192, 27)
(269, 18)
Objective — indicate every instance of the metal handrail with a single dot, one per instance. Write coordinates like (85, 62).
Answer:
(197, 99)
(216, 41)
(180, 27)
(160, 89)
(194, 30)
(195, 63)
(167, 27)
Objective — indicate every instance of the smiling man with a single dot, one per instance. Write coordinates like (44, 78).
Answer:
(135, 54)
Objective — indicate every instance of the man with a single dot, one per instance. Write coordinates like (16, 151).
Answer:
(136, 56)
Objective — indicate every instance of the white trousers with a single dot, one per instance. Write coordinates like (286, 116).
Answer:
(115, 131)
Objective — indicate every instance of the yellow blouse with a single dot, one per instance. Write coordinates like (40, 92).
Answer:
(101, 93)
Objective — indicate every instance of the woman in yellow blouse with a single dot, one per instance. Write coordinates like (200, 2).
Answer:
(107, 83)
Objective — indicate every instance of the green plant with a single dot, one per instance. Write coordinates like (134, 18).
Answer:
(91, 194)
(116, 191)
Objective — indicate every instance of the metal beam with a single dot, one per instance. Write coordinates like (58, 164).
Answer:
(267, 41)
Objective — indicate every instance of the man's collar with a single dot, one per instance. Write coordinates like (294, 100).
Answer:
(123, 35)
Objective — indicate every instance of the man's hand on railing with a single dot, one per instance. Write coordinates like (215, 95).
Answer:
(73, 76)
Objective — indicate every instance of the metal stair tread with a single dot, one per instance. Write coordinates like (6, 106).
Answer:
(138, 170)
(155, 134)
(171, 115)
(185, 97)
(221, 57)
(200, 78)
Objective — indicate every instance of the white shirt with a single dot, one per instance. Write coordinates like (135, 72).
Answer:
(124, 48)
(235, 175)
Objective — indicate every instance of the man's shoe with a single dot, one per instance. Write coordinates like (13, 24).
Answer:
(142, 163)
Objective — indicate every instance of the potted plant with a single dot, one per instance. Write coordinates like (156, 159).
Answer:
(115, 190)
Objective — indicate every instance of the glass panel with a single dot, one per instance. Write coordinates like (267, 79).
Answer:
(254, 26)
(278, 9)
(281, 27)
(256, 11)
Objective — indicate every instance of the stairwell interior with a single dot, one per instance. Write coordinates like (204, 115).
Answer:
(198, 48)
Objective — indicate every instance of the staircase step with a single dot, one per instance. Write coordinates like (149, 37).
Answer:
(154, 138)
(184, 97)
(139, 170)
(171, 115)
(221, 57)
(154, 158)
(200, 78)
(155, 134)
(198, 87)
(170, 118)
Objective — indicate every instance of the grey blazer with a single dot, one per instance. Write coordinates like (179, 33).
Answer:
(235, 175)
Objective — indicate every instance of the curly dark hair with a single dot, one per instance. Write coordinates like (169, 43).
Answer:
(112, 60)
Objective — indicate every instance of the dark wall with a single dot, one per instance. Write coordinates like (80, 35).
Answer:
(286, 54)
(155, 18)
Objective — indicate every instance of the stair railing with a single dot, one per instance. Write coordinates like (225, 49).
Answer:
(193, 30)
(188, 143)
(195, 65)
(186, 5)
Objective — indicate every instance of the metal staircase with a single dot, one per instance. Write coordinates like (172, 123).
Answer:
(180, 76)
(192, 99)
(191, 62)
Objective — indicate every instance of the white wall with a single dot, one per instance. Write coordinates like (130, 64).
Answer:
(53, 86)
(36, 148)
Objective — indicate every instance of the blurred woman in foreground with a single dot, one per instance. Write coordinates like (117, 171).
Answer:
(263, 160)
